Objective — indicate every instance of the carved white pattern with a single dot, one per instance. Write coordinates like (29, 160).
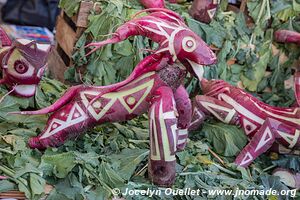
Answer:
(197, 116)
(114, 96)
(266, 137)
(211, 13)
(189, 44)
(247, 123)
(174, 133)
(248, 158)
(182, 132)
(164, 135)
(209, 106)
(291, 139)
(161, 25)
(153, 131)
(278, 116)
(240, 109)
(57, 125)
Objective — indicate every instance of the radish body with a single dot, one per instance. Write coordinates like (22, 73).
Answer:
(154, 86)
(157, 90)
(287, 36)
(266, 125)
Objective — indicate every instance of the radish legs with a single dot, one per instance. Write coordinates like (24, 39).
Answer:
(270, 131)
(163, 137)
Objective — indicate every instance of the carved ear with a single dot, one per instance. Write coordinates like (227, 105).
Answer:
(4, 39)
(3, 52)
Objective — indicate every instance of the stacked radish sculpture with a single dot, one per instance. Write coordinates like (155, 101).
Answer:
(155, 86)
(267, 127)
(23, 63)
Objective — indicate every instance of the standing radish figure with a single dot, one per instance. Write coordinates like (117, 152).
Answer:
(23, 63)
(155, 86)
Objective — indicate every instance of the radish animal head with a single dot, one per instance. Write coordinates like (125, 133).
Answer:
(23, 65)
(193, 52)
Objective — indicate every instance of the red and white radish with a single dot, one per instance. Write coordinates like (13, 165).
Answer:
(23, 63)
(203, 10)
(154, 86)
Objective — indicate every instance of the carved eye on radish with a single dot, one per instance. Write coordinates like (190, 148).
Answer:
(20, 67)
(189, 44)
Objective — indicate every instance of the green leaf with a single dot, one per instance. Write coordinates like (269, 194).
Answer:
(61, 163)
(227, 140)
(260, 11)
(37, 184)
(70, 187)
(128, 160)
(70, 7)
(288, 162)
(98, 194)
(273, 183)
(109, 176)
(296, 5)
(258, 69)
(213, 34)
(87, 158)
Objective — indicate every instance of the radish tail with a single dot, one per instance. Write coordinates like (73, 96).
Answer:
(98, 45)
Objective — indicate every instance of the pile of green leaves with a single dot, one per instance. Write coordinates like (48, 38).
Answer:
(115, 155)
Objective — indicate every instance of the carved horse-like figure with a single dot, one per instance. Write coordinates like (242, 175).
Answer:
(155, 86)
(23, 63)
(268, 127)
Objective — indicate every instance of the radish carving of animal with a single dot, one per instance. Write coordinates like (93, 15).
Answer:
(155, 86)
(268, 127)
(23, 63)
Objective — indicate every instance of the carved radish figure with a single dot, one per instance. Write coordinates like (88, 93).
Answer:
(266, 126)
(168, 29)
(155, 86)
(23, 63)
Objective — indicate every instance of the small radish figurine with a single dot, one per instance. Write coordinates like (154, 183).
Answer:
(23, 63)
(203, 10)
(155, 86)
